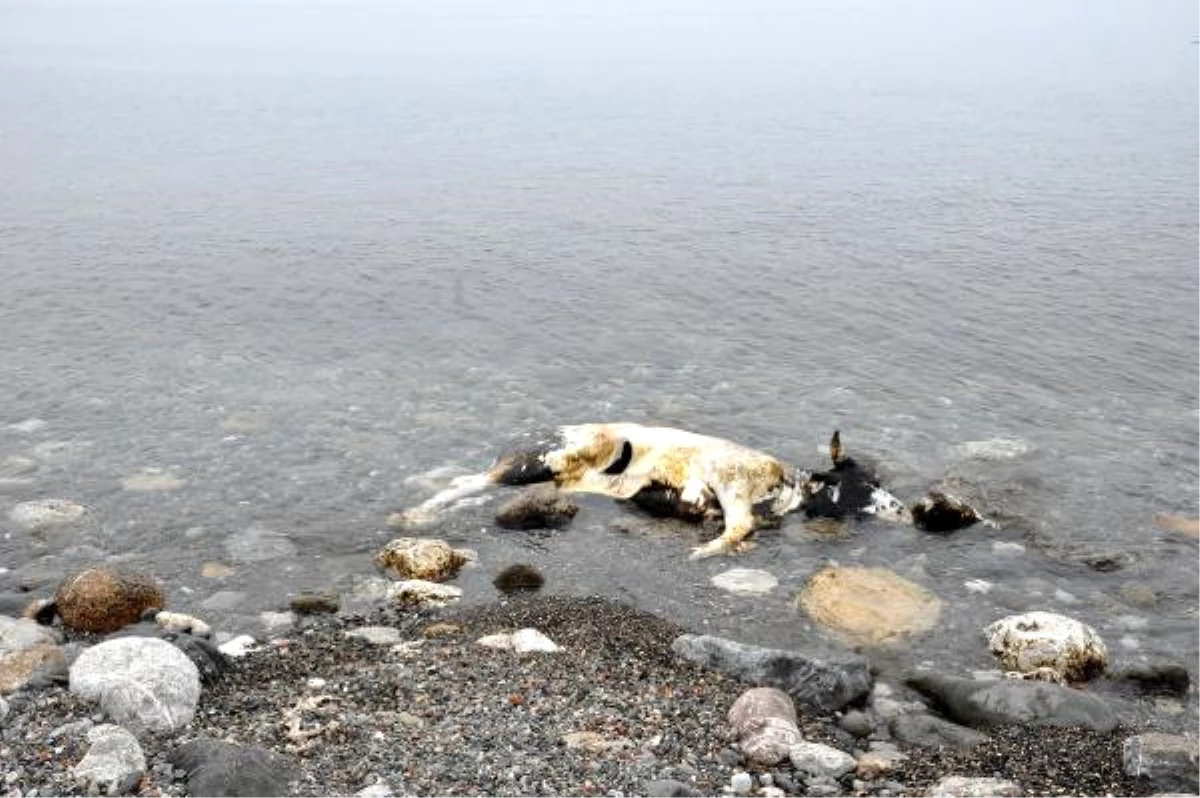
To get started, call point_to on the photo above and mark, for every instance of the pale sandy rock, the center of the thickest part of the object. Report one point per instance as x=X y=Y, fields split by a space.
x=871 y=605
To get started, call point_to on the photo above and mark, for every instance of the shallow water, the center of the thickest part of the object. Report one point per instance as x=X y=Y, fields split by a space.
x=300 y=266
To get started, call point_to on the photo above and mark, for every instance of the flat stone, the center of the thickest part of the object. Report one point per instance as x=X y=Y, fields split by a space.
x=824 y=684
x=980 y=704
x=19 y=669
x=18 y=634
x=928 y=731
x=745 y=581
x=974 y=787
x=871 y=605
x=259 y=544
x=44 y=513
x=427 y=559
x=114 y=762
x=377 y=635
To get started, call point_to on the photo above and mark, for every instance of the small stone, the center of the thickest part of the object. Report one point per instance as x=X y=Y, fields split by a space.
x=980 y=787
x=377 y=635
x=114 y=762
x=858 y=723
x=425 y=559
x=741 y=783
x=239 y=646
x=315 y=604
x=441 y=629
x=519 y=577
x=377 y=790
x=315 y=683
x=1168 y=761
x=819 y=760
x=20 y=669
x=745 y=581
x=182 y=622
x=152 y=479
x=419 y=592
x=104 y=599
x=142 y=683
x=215 y=570
x=46 y=513
x=764 y=720
x=537 y=508
x=878 y=762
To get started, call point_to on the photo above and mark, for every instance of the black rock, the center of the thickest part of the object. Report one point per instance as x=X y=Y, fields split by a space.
x=1155 y=678
x=824 y=684
x=218 y=768
x=982 y=704
x=519 y=577
x=938 y=512
x=207 y=658
x=536 y=509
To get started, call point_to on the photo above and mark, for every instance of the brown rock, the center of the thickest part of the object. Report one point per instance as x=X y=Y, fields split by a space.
x=18 y=668
x=428 y=559
x=538 y=508
x=869 y=605
x=104 y=599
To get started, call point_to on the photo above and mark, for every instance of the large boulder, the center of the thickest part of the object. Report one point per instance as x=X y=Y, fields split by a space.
x=869 y=605
x=427 y=559
x=104 y=599
x=824 y=684
x=1037 y=642
x=764 y=721
x=1170 y=762
x=982 y=704
x=142 y=683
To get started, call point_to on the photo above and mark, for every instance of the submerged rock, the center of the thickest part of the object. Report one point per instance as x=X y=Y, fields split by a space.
x=871 y=605
x=259 y=544
x=1169 y=761
x=982 y=704
x=44 y=513
x=1035 y=641
x=746 y=581
x=824 y=684
x=764 y=720
x=104 y=599
x=942 y=513
x=519 y=577
x=427 y=559
x=538 y=508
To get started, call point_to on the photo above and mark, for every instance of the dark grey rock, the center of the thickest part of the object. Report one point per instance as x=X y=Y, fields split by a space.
x=858 y=723
x=518 y=577
x=536 y=509
x=670 y=789
x=1171 y=762
x=981 y=704
x=218 y=768
x=930 y=732
x=823 y=684
x=1155 y=678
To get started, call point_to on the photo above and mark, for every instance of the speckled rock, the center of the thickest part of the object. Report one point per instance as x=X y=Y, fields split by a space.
x=764 y=720
x=38 y=663
x=427 y=559
x=142 y=683
x=44 y=513
x=114 y=762
x=974 y=787
x=104 y=599
x=869 y=605
x=421 y=592
x=1039 y=640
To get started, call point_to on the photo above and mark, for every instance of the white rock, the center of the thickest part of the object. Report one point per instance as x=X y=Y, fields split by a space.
x=745 y=581
x=1007 y=547
x=142 y=683
x=378 y=635
x=316 y=683
x=377 y=790
x=978 y=787
x=113 y=763
x=419 y=591
x=1036 y=640
x=501 y=641
x=277 y=621
x=239 y=646
x=18 y=634
x=46 y=512
x=995 y=449
x=530 y=640
x=182 y=622
x=816 y=759
x=977 y=586
x=741 y=783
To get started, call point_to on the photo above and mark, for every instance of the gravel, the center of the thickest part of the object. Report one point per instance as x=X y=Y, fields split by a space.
x=439 y=714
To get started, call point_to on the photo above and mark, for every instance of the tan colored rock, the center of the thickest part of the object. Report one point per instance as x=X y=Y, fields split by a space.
x=1178 y=523
x=869 y=605
x=215 y=570
x=103 y=599
x=428 y=559
x=16 y=669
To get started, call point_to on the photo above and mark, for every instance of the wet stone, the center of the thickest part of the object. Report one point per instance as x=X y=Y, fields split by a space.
x=315 y=603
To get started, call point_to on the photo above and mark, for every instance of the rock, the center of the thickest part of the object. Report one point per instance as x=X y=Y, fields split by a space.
x=34 y=665
x=822 y=787
x=142 y=683
x=1178 y=523
x=668 y=788
x=239 y=646
x=218 y=768
x=745 y=581
x=315 y=604
x=420 y=592
x=1158 y=678
x=526 y=641
x=18 y=634
x=817 y=760
x=224 y=601
x=518 y=577
x=259 y=544
x=591 y=742
x=152 y=479
x=377 y=635
x=1007 y=701
x=44 y=513
x=930 y=732
x=879 y=762
x=741 y=783
x=1025 y=643
x=1169 y=761
x=427 y=559
x=537 y=508
x=764 y=721
x=215 y=570
x=995 y=449
x=942 y=513
x=823 y=684
x=104 y=599
x=974 y=787
x=113 y=764
x=3 y=708
x=377 y=790
x=182 y=623
x=276 y=621
x=857 y=723
x=871 y=605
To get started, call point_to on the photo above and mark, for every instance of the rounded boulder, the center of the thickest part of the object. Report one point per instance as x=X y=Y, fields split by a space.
x=1046 y=641
x=103 y=599
x=869 y=605
x=427 y=559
